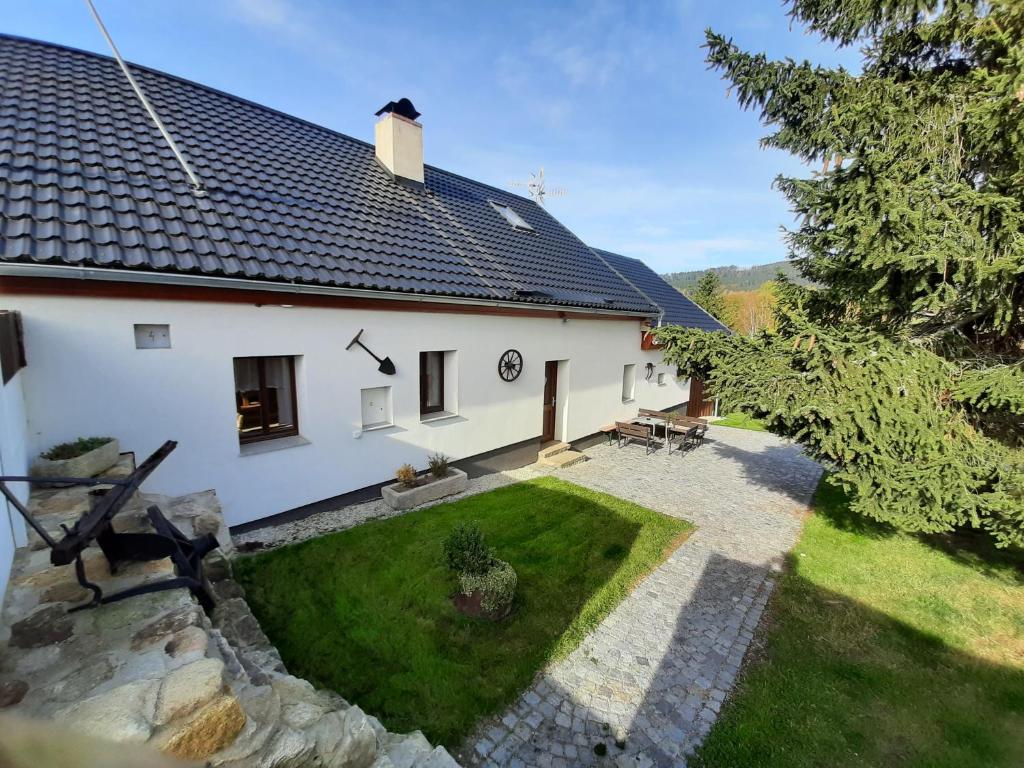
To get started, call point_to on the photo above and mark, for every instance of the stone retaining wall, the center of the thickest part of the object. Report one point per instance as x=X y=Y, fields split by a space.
x=156 y=670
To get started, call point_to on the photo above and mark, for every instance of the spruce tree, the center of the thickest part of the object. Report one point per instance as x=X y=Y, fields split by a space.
x=708 y=295
x=902 y=369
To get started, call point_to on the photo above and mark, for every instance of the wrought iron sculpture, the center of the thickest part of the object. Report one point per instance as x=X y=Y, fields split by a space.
x=386 y=366
x=510 y=365
x=95 y=525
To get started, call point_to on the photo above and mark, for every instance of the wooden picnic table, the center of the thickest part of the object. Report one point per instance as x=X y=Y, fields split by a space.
x=651 y=422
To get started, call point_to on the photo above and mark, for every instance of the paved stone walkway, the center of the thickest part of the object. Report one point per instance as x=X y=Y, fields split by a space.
x=646 y=686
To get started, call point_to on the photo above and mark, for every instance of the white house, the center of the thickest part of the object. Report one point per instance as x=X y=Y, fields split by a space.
x=222 y=317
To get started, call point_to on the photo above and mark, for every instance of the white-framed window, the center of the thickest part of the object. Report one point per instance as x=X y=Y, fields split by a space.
x=628 y=382
x=376 y=407
x=662 y=380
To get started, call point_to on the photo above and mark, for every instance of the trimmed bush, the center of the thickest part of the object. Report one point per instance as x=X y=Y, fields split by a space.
x=497 y=587
x=438 y=464
x=406 y=475
x=466 y=551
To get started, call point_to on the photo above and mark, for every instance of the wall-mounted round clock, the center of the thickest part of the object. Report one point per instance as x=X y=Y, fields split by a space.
x=510 y=365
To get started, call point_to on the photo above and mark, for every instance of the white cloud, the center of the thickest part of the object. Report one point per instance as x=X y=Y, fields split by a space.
x=291 y=22
x=671 y=224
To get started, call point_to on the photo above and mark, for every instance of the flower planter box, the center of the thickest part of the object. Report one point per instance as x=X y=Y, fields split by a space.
x=87 y=465
x=647 y=341
x=401 y=497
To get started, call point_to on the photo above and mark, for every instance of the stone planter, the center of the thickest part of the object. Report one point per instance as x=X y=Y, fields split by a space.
x=400 y=497
x=87 y=465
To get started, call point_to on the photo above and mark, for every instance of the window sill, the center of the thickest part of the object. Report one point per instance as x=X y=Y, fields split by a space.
x=269 y=446
x=630 y=400
x=439 y=416
x=376 y=427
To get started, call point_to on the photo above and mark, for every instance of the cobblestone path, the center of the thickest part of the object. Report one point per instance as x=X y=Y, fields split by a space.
x=646 y=686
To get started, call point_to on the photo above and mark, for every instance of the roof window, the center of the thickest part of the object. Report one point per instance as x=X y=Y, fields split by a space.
x=513 y=218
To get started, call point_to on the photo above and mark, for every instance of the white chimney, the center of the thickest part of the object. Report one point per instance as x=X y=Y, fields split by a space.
x=399 y=140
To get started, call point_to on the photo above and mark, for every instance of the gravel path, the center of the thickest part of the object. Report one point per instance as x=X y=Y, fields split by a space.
x=646 y=686
x=348 y=517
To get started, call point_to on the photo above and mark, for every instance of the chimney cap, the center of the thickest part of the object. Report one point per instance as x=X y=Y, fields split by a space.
x=403 y=108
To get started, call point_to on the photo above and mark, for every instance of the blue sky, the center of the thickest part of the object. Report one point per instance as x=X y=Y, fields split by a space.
x=612 y=98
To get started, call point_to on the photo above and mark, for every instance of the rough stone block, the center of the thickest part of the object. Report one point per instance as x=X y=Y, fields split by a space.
x=122 y=714
x=346 y=739
x=187 y=688
x=88 y=464
x=206 y=732
x=46 y=626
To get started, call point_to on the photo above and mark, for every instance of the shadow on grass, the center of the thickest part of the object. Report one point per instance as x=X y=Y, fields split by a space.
x=836 y=682
x=639 y=704
x=768 y=469
x=966 y=546
x=366 y=612
x=828 y=681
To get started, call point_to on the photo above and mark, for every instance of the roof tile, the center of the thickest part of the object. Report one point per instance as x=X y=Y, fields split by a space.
x=85 y=178
x=677 y=309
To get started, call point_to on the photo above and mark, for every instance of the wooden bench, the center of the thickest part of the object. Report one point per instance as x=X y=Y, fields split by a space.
x=639 y=432
x=608 y=430
x=686 y=424
x=655 y=414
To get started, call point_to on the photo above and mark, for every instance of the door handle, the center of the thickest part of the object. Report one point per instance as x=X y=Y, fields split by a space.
x=552 y=401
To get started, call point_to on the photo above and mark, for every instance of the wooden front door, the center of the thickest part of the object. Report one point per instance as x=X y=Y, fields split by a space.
x=698 y=406
x=550 y=393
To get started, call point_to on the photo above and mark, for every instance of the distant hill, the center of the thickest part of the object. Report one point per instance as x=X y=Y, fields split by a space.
x=736 y=278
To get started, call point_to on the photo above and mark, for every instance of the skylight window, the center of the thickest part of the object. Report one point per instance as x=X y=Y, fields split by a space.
x=513 y=218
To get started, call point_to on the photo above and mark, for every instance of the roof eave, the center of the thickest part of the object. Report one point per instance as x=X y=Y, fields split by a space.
x=61 y=271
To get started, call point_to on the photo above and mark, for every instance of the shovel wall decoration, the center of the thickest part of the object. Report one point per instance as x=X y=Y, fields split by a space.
x=386 y=366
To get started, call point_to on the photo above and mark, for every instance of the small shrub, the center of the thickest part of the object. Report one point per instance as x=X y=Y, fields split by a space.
x=438 y=465
x=466 y=551
x=497 y=587
x=406 y=475
x=75 y=448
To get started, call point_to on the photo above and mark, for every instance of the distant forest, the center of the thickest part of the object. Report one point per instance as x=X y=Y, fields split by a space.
x=735 y=278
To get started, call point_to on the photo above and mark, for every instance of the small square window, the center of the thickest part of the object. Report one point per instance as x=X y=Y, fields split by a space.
x=628 y=382
x=513 y=218
x=265 y=404
x=661 y=380
x=152 y=336
x=376 y=407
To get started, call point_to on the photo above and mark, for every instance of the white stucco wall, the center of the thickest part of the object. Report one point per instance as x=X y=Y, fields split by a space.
x=85 y=377
x=13 y=461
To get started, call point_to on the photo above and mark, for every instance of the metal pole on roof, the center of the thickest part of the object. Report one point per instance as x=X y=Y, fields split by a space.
x=197 y=185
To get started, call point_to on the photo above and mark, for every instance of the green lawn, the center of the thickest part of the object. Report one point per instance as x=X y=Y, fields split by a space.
x=883 y=649
x=740 y=421
x=366 y=612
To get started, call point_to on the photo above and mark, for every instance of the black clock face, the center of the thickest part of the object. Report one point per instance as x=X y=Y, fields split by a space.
x=510 y=365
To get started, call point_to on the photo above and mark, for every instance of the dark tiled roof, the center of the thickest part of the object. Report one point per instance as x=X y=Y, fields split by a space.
x=86 y=179
x=678 y=309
